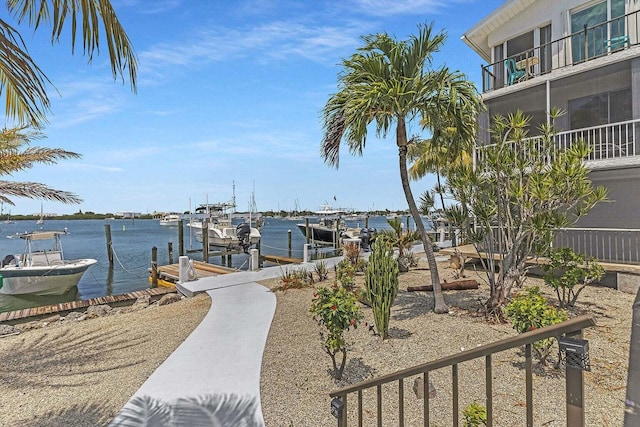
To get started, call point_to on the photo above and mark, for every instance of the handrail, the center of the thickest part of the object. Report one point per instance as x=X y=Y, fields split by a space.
x=566 y=327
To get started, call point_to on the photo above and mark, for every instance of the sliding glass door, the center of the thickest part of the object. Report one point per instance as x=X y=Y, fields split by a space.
x=597 y=29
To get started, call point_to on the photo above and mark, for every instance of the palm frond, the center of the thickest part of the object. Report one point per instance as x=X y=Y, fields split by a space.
x=34 y=190
x=91 y=16
x=21 y=80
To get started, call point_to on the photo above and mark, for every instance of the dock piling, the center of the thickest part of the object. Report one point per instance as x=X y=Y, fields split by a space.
x=181 y=237
x=154 y=267
x=107 y=233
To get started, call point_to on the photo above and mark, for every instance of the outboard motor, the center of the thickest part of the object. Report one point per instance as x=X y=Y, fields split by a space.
x=365 y=239
x=9 y=259
x=243 y=232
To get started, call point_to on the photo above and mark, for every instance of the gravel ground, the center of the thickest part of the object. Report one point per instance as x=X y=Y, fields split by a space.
x=296 y=379
x=82 y=373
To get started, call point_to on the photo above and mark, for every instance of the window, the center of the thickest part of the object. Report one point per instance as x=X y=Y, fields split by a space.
x=600 y=109
x=545 y=49
x=591 y=30
x=520 y=45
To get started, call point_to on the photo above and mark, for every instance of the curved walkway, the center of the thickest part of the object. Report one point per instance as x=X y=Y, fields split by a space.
x=213 y=377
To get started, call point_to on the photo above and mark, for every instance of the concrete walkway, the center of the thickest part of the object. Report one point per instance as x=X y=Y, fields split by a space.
x=215 y=373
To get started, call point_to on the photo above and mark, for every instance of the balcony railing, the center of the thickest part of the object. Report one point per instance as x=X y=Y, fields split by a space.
x=606 y=142
x=370 y=399
x=615 y=245
x=580 y=47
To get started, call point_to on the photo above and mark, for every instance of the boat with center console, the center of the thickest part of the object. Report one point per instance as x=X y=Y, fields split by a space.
x=41 y=269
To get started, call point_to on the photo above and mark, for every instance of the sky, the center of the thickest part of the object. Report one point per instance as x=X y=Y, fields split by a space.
x=230 y=93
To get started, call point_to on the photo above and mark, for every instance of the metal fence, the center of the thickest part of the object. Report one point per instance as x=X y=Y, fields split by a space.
x=342 y=410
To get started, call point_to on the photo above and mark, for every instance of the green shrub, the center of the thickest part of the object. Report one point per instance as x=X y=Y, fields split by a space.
x=294 y=278
x=346 y=273
x=320 y=267
x=337 y=309
x=475 y=415
x=381 y=284
x=529 y=310
x=569 y=273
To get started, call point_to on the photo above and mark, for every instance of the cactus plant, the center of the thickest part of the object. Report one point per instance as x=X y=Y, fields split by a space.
x=381 y=284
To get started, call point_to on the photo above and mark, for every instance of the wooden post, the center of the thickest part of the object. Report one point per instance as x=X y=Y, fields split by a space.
x=107 y=233
x=154 y=267
x=170 y=251
x=229 y=260
x=336 y=235
x=366 y=221
x=289 y=241
x=181 y=237
x=307 y=231
x=205 y=240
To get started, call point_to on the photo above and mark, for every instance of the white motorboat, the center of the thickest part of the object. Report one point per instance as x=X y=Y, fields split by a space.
x=41 y=269
x=221 y=232
x=170 y=219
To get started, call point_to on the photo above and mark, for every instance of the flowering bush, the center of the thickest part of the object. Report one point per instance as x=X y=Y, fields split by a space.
x=529 y=310
x=336 y=309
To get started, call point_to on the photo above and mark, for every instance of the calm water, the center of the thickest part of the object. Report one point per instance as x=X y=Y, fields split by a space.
x=132 y=243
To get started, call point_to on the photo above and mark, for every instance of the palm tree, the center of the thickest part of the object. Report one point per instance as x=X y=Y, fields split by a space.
x=15 y=157
x=386 y=82
x=23 y=83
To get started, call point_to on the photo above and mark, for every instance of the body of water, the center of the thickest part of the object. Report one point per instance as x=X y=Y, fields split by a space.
x=132 y=243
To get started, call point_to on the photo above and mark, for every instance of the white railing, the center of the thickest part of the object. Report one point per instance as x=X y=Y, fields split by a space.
x=606 y=142
x=617 y=245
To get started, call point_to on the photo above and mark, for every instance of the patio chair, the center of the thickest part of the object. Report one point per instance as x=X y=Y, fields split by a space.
x=513 y=74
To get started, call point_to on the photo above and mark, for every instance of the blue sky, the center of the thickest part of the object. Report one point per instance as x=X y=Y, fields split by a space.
x=228 y=91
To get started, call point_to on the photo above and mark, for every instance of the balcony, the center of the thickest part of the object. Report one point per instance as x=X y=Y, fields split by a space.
x=591 y=44
x=611 y=144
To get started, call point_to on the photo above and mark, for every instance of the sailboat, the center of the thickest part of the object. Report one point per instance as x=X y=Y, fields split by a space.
x=41 y=219
x=8 y=220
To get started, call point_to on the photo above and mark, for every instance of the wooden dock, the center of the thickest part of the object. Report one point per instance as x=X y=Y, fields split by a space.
x=469 y=251
x=171 y=272
x=75 y=305
x=276 y=259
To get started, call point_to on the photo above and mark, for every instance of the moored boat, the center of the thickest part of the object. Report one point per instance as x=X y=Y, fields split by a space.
x=221 y=232
x=41 y=270
x=330 y=226
x=170 y=220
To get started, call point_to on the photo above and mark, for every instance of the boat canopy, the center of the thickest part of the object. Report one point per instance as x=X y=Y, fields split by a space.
x=41 y=235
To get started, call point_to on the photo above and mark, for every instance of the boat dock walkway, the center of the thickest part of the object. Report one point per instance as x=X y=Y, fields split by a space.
x=469 y=251
x=74 y=305
x=171 y=272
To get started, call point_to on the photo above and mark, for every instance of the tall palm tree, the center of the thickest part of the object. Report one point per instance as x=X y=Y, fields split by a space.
x=23 y=83
x=16 y=155
x=387 y=82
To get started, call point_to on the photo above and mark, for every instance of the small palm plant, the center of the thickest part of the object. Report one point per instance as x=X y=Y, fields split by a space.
x=401 y=240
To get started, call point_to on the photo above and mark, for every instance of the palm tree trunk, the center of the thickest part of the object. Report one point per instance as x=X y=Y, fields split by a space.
x=401 y=140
